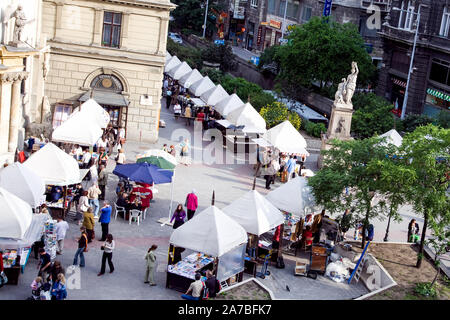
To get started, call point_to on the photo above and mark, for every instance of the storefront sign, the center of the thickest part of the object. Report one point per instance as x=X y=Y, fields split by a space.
x=275 y=24
x=399 y=83
x=258 y=37
x=438 y=94
x=264 y=23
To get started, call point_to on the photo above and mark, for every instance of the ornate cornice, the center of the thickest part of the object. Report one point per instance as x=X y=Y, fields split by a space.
x=13 y=76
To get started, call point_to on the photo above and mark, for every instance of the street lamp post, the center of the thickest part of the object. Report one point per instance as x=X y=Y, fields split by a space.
x=206 y=15
x=284 y=20
x=405 y=100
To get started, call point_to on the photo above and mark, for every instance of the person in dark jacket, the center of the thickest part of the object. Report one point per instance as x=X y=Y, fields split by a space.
x=82 y=245
x=179 y=215
x=56 y=269
x=413 y=230
x=212 y=284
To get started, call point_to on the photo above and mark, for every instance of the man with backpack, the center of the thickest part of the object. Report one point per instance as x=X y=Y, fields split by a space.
x=212 y=284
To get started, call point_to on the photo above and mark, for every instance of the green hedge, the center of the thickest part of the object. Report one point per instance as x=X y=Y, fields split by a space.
x=313 y=129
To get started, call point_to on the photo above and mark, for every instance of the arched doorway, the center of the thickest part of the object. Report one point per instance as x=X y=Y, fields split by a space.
x=107 y=91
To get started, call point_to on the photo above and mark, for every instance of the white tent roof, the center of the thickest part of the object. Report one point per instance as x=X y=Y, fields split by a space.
x=214 y=95
x=247 y=115
x=81 y=128
x=255 y=213
x=286 y=138
x=200 y=86
x=15 y=215
x=228 y=104
x=188 y=79
x=211 y=232
x=393 y=137
x=23 y=183
x=171 y=63
x=293 y=197
x=33 y=233
x=179 y=71
x=168 y=56
x=94 y=110
x=54 y=166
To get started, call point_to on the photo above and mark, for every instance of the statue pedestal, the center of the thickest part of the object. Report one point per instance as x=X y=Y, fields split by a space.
x=338 y=127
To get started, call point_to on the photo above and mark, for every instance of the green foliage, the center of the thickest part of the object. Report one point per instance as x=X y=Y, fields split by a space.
x=425 y=289
x=215 y=75
x=373 y=115
x=312 y=51
x=190 y=55
x=261 y=99
x=314 y=129
x=220 y=54
x=443 y=119
x=276 y=113
x=413 y=121
x=268 y=57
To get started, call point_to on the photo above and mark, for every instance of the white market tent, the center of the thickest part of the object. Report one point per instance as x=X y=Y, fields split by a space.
x=286 y=138
x=214 y=95
x=293 y=197
x=95 y=111
x=168 y=56
x=81 y=128
x=188 y=79
x=201 y=86
x=230 y=103
x=15 y=215
x=179 y=71
x=33 y=233
x=255 y=213
x=392 y=137
x=171 y=63
x=54 y=166
x=23 y=183
x=211 y=232
x=247 y=116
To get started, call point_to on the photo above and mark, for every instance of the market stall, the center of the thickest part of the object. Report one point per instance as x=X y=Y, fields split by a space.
x=188 y=79
x=201 y=86
x=218 y=243
x=171 y=63
x=228 y=104
x=214 y=95
x=248 y=117
x=179 y=71
x=286 y=138
x=392 y=137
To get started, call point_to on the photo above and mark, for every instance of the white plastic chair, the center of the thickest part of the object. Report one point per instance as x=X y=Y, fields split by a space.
x=118 y=209
x=135 y=214
x=144 y=214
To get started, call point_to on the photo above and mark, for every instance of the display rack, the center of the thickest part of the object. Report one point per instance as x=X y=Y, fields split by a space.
x=50 y=238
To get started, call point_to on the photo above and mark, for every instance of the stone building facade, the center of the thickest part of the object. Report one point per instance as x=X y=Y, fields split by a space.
x=429 y=89
x=112 y=50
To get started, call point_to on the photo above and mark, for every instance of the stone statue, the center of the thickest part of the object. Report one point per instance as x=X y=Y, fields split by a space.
x=339 y=96
x=341 y=128
x=350 y=87
x=46 y=65
x=19 y=24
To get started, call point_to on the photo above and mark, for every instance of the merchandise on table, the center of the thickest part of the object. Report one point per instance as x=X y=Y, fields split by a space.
x=190 y=265
x=9 y=258
x=50 y=238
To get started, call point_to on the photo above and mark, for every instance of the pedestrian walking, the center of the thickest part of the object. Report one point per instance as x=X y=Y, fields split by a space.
x=105 y=219
x=271 y=171
x=107 y=248
x=168 y=97
x=188 y=114
x=82 y=247
x=102 y=181
x=150 y=258
x=93 y=193
x=184 y=152
x=290 y=167
x=191 y=204
x=120 y=159
x=179 y=215
x=83 y=206
x=89 y=224
x=61 y=229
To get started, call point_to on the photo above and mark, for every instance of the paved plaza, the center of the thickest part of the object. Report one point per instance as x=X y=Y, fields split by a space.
x=229 y=181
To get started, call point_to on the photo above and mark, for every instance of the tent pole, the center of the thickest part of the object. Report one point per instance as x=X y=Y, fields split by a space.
x=171 y=195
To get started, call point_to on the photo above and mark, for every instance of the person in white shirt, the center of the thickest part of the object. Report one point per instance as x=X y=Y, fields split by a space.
x=61 y=229
x=86 y=159
x=120 y=159
x=107 y=248
x=177 y=110
x=195 y=289
x=102 y=143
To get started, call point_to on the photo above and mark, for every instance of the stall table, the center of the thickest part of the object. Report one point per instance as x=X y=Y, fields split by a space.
x=182 y=274
x=14 y=262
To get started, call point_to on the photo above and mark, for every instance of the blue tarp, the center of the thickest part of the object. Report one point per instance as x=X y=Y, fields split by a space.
x=143 y=172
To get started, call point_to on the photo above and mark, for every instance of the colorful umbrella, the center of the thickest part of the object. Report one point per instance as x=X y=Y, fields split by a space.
x=159 y=158
x=143 y=172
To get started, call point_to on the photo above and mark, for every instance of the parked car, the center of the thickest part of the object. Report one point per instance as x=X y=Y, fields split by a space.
x=175 y=37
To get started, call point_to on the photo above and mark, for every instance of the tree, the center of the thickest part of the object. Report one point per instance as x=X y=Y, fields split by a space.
x=222 y=54
x=276 y=113
x=347 y=180
x=427 y=150
x=322 y=50
x=190 y=55
x=440 y=241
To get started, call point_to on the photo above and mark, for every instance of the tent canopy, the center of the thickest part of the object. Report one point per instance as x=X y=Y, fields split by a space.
x=81 y=128
x=168 y=56
x=255 y=213
x=293 y=197
x=96 y=111
x=392 y=137
x=33 y=233
x=24 y=183
x=211 y=232
x=247 y=116
x=179 y=71
x=228 y=104
x=54 y=166
x=143 y=172
x=201 y=86
x=286 y=138
x=15 y=215
x=214 y=95
x=171 y=63
x=188 y=79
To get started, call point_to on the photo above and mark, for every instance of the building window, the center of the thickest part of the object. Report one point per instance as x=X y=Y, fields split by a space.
x=282 y=8
x=400 y=61
x=254 y=3
x=445 y=24
x=306 y=14
x=440 y=71
x=112 y=22
x=292 y=10
x=406 y=18
x=61 y=113
x=271 y=7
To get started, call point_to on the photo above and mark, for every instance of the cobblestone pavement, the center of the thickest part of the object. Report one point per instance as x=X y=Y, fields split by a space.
x=229 y=181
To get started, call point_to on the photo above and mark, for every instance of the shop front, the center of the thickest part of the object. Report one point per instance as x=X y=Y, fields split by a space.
x=398 y=92
x=437 y=100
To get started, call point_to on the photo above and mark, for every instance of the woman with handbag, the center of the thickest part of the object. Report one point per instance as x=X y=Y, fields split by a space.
x=107 y=248
x=82 y=247
x=83 y=206
x=89 y=224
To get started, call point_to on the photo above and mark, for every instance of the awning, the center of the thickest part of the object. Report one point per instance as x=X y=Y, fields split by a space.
x=106 y=98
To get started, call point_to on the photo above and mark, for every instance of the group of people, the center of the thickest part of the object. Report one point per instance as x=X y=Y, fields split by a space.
x=184 y=153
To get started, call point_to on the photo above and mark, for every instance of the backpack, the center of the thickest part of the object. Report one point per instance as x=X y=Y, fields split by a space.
x=370 y=232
